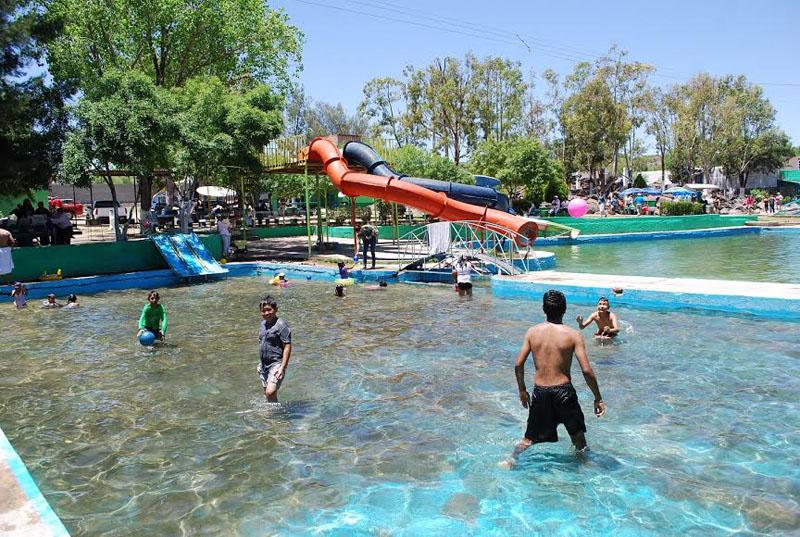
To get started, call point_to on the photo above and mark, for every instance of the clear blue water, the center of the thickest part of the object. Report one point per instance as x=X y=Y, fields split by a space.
x=396 y=410
x=765 y=257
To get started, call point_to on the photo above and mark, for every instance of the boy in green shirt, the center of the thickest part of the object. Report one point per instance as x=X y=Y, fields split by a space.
x=154 y=317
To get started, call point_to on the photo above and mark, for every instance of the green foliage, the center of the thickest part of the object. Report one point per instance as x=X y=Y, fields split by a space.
x=341 y=215
x=172 y=41
x=524 y=168
x=416 y=162
x=32 y=121
x=759 y=194
x=639 y=182
x=680 y=208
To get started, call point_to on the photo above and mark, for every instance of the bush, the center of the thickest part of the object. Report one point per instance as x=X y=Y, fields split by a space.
x=680 y=208
x=639 y=182
x=759 y=194
x=341 y=214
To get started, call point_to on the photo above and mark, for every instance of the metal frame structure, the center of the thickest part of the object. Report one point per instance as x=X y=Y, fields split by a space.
x=491 y=248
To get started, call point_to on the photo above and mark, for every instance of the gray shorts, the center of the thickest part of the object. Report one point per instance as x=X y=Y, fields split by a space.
x=267 y=374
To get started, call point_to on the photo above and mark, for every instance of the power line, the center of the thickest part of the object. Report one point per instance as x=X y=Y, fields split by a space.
x=487 y=33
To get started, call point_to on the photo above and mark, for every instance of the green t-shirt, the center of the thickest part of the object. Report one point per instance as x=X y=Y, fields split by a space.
x=153 y=318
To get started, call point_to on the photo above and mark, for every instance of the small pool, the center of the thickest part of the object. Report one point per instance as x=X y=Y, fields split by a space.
x=397 y=408
x=767 y=256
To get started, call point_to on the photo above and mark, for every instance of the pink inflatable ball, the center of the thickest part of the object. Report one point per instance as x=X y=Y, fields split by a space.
x=577 y=207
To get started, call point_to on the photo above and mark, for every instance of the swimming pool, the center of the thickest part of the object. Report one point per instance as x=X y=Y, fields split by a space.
x=398 y=406
x=767 y=256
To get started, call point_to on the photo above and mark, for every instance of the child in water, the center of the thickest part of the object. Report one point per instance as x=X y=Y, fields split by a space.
x=20 y=295
x=607 y=324
x=339 y=291
x=154 y=317
x=275 y=348
x=51 y=302
x=280 y=280
x=72 y=301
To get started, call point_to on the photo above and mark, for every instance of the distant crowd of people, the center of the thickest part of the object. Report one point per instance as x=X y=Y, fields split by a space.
x=46 y=226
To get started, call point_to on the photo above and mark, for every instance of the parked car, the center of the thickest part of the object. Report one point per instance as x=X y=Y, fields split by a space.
x=101 y=212
x=70 y=206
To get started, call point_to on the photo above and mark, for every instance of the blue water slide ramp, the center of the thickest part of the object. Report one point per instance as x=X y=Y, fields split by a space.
x=186 y=255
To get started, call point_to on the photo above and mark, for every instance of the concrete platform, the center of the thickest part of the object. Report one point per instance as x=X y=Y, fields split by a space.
x=776 y=300
x=23 y=510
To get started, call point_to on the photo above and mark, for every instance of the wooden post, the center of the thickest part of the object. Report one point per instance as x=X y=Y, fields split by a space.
x=353 y=222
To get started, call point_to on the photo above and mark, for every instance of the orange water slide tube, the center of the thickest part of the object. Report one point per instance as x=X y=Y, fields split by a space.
x=436 y=204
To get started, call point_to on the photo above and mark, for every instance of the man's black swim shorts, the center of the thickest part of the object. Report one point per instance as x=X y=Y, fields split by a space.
x=550 y=406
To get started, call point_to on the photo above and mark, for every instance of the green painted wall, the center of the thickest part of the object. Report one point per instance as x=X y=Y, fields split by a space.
x=384 y=232
x=634 y=224
x=8 y=203
x=94 y=258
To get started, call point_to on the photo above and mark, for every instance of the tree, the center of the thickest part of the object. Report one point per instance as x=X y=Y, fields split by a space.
x=323 y=119
x=123 y=122
x=659 y=121
x=33 y=121
x=750 y=140
x=586 y=116
x=416 y=162
x=524 y=168
x=384 y=104
x=241 y=42
x=498 y=96
x=220 y=133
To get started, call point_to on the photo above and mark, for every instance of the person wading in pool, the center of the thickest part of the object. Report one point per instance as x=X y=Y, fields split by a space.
x=275 y=348
x=553 y=400
x=607 y=324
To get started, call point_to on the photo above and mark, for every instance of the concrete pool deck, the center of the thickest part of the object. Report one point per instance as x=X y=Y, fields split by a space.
x=23 y=509
x=776 y=300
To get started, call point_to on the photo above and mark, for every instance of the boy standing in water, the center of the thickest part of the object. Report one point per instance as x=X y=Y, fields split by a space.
x=607 y=324
x=553 y=400
x=154 y=317
x=275 y=348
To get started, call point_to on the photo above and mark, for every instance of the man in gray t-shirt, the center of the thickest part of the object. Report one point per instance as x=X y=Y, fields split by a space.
x=275 y=348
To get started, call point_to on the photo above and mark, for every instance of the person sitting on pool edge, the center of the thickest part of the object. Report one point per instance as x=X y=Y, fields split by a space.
x=154 y=317
x=607 y=324
x=554 y=400
x=275 y=348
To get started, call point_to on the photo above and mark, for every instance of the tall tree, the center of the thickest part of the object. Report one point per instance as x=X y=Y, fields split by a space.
x=498 y=97
x=750 y=139
x=241 y=42
x=523 y=166
x=33 y=121
x=123 y=122
x=383 y=104
x=659 y=121
x=324 y=118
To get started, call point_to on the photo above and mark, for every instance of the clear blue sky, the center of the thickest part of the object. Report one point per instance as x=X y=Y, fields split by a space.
x=349 y=42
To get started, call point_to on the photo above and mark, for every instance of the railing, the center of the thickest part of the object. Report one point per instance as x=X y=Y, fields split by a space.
x=291 y=152
x=491 y=248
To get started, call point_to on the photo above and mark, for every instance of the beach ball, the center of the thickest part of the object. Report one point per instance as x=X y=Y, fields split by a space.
x=577 y=207
x=148 y=339
x=355 y=258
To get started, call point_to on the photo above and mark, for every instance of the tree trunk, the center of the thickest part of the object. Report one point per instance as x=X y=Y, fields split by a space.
x=145 y=200
x=114 y=216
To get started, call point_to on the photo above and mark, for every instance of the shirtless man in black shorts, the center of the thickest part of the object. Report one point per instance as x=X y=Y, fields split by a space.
x=553 y=400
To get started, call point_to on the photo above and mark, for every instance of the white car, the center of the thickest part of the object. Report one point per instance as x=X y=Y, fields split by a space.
x=101 y=212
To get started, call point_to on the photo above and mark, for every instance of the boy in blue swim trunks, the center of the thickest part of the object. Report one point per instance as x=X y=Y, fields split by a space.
x=275 y=348
x=553 y=400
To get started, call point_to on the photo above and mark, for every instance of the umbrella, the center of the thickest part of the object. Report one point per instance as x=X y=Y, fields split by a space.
x=361 y=201
x=216 y=191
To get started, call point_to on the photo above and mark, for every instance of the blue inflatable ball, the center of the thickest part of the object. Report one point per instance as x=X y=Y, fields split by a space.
x=148 y=339
x=355 y=258
x=308 y=277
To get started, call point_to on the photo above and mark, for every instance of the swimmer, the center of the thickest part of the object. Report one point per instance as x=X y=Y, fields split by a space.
x=462 y=276
x=607 y=324
x=154 y=317
x=50 y=303
x=344 y=272
x=339 y=291
x=381 y=285
x=275 y=348
x=72 y=301
x=554 y=400
x=280 y=280
x=20 y=295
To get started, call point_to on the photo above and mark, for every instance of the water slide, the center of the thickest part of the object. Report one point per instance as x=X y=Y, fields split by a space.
x=364 y=155
x=186 y=255
x=435 y=204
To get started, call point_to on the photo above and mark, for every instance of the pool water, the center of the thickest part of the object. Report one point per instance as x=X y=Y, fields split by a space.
x=396 y=409
x=768 y=256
